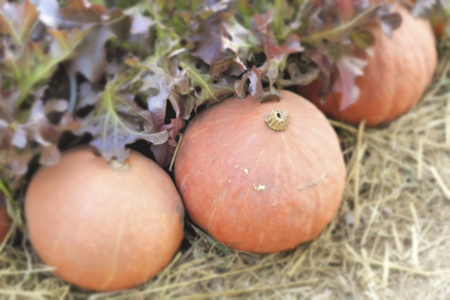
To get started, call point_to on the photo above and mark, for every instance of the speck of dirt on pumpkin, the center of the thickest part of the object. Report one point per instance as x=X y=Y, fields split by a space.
x=259 y=187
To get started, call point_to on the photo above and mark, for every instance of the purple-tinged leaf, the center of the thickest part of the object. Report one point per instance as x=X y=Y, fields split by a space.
x=117 y=120
x=38 y=128
x=50 y=155
x=261 y=26
x=220 y=65
x=272 y=71
x=389 y=20
x=5 y=135
x=19 y=138
x=67 y=122
x=91 y=55
x=163 y=152
x=55 y=105
x=209 y=41
x=219 y=42
x=111 y=142
x=279 y=53
x=423 y=8
x=255 y=87
x=177 y=78
x=140 y=24
x=78 y=13
x=349 y=67
x=239 y=86
x=346 y=9
x=19 y=165
x=87 y=96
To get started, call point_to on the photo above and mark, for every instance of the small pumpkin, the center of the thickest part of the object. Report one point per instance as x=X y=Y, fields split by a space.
x=394 y=79
x=104 y=227
x=261 y=177
x=5 y=220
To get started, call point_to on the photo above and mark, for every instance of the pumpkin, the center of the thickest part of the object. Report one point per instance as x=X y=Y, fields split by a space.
x=5 y=220
x=261 y=177
x=394 y=79
x=104 y=226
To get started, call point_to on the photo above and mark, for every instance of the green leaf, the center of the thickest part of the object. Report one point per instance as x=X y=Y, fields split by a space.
x=362 y=38
x=35 y=65
x=202 y=81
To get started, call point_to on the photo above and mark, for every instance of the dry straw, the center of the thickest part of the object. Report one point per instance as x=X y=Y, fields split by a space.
x=390 y=239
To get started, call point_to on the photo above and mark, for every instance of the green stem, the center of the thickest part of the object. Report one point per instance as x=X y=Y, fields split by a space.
x=198 y=78
x=338 y=30
x=7 y=193
x=34 y=78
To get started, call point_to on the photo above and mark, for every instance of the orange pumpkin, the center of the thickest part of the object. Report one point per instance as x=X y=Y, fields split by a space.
x=261 y=177
x=394 y=79
x=104 y=228
x=5 y=220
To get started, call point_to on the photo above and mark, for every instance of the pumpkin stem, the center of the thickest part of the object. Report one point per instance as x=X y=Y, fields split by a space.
x=277 y=119
x=119 y=166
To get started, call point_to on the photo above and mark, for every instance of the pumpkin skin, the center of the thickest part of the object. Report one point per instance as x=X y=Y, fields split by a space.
x=5 y=220
x=103 y=229
x=240 y=180
x=394 y=79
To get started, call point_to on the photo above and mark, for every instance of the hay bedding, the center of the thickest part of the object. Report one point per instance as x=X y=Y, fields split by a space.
x=390 y=239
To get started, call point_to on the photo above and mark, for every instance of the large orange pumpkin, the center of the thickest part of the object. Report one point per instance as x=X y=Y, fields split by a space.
x=104 y=228
x=261 y=177
x=5 y=220
x=394 y=79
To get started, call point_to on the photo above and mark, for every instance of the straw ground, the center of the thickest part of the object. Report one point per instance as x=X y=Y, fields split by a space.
x=390 y=239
